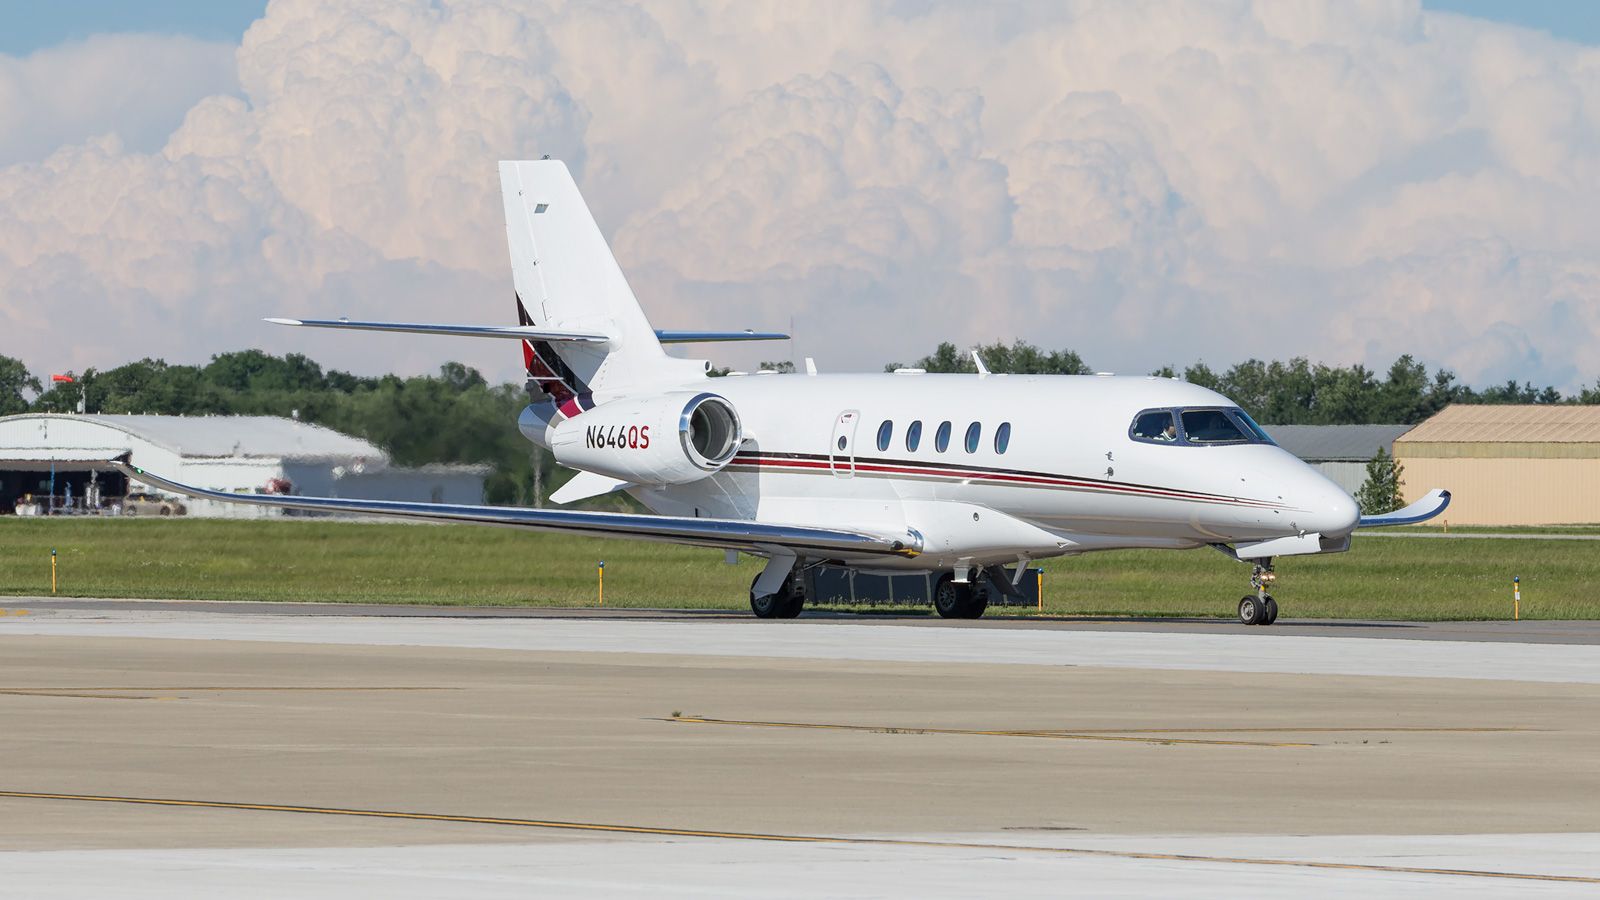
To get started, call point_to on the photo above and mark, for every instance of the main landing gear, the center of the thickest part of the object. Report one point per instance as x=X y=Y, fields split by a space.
x=1259 y=608
x=957 y=600
x=784 y=603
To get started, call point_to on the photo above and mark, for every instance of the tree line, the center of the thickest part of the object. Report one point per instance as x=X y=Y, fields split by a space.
x=456 y=416
x=1296 y=392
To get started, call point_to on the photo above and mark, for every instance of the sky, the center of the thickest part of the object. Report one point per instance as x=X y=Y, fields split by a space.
x=1149 y=183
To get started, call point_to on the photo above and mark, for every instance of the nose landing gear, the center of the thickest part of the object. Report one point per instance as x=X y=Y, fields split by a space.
x=1259 y=608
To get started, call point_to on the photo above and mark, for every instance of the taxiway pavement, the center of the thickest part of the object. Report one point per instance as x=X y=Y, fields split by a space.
x=163 y=749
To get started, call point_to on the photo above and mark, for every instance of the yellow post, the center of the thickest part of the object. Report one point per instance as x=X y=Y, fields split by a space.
x=52 y=570
x=1039 y=583
x=602 y=574
x=1516 y=597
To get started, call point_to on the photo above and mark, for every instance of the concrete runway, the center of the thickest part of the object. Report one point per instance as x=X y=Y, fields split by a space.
x=154 y=749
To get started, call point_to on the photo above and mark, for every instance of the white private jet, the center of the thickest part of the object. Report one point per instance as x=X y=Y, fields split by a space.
x=962 y=475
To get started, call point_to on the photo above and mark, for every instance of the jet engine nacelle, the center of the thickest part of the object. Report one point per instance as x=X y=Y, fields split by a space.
x=669 y=439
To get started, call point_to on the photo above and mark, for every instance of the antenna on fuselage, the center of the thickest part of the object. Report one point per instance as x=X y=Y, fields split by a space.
x=978 y=361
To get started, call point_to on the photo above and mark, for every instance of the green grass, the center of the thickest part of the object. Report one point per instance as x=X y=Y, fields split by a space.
x=1383 y=578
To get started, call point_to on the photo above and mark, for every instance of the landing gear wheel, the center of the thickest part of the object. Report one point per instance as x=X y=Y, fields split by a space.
x=1251 y=610
x=954 y=600
x=786 y=603
x=768 y=607
x=1259 y=608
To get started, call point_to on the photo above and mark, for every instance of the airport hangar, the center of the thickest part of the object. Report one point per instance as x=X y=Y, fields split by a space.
x=1508 y=465
x=238 y=454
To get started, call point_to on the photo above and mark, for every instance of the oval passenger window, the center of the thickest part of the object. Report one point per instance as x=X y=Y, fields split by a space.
x=913 y=435
x=1002 y=437
x=941 y=438
x=885 y=432
x=974 y=431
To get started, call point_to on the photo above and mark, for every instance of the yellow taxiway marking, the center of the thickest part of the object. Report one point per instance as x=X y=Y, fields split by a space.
x=1055 y=735
x=792 y=838
x=13 y=612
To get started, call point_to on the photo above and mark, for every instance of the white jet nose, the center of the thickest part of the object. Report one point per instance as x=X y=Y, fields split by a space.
x=1332 y=512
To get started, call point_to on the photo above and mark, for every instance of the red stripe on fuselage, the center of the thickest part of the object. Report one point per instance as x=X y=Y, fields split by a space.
x=1003 y=477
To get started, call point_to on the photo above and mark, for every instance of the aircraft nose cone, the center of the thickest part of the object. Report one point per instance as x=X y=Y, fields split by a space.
x=1333 y=512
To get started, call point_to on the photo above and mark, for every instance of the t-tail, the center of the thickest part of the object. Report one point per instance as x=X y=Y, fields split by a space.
x=583 y=333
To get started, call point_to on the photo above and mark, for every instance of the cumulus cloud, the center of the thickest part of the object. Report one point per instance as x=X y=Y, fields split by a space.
x=136 y=86
x=1147 y=182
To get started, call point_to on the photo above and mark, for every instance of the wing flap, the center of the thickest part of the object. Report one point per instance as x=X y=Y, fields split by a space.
x=1432 y=504
x=735 y=534
x=509 y=332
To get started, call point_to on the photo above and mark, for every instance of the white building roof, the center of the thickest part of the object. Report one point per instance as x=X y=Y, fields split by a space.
x=269 y=437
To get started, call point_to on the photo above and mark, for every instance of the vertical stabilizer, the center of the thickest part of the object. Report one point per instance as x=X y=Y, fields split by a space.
x=566 y=277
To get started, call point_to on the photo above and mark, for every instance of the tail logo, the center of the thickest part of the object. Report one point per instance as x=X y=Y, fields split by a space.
x=569 y=392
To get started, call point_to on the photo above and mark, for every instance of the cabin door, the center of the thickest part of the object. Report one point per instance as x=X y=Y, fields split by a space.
x=842 y=449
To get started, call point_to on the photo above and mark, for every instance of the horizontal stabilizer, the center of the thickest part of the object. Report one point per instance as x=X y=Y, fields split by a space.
x=760 y=538
x=584 y=485
x=695 y=337
x=510 y=332
x=1429 y=506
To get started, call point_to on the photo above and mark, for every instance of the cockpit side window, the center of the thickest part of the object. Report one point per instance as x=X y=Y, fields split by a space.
x=1212 y=426
x=1155 y=425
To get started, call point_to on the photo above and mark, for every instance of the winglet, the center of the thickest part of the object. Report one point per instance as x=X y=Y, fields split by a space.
x=1432 y=504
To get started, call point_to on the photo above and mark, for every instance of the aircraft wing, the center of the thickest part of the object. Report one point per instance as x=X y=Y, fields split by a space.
x=728 y=534
x=1429 y=506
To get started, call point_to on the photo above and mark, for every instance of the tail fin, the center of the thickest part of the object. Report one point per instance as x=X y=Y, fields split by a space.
x=566 y=278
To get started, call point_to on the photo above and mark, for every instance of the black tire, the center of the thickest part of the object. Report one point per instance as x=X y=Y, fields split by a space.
x=1250 y=610
x=768 y=607
x=952 y=600
x=786 y=603
x=166 y=510
x=1272 y=611
x=979 y=603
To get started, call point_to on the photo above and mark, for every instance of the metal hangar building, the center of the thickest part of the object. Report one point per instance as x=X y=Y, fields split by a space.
x=55 y=463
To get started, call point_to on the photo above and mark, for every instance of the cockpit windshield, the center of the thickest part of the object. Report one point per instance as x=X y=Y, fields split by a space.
x=1211 y=426
x=1250 y=424
x=1197 y=427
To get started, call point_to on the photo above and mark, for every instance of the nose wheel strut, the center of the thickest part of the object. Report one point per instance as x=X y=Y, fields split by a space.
x=1259 y=608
